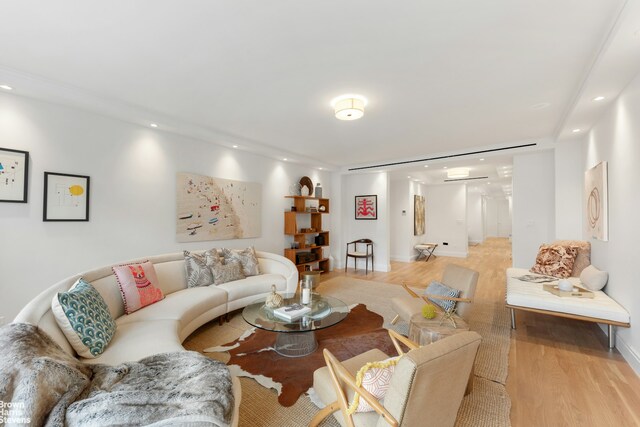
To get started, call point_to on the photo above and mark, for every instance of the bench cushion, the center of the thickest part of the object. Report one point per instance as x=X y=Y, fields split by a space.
x=531 y=295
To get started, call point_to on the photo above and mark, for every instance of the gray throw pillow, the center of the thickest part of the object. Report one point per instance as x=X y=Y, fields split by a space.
x=440 y=289
x=227 y=272
x=247 y=258
x=198 y=272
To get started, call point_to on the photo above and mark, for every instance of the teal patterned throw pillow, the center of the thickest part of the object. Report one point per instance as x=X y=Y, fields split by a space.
x=84 y=318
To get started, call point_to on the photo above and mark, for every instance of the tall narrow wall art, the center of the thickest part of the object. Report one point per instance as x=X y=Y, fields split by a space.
x=418 y=215
x=217 y=209
x=597 y=201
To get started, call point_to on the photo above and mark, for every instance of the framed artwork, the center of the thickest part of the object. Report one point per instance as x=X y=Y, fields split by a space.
x=597 y=197
x=367 y=207
x=14 y=175
x=66 y=197
x=217 y=209
x=418 y=215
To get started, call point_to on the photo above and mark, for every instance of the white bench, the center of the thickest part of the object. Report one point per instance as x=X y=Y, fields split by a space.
x=531 y=297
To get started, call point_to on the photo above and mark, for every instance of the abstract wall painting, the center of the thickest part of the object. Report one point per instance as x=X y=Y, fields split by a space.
x=597 y=201
x=66 y=197
x=367 y=207
x=418 y=215
x=14 y=175
x=217 y=209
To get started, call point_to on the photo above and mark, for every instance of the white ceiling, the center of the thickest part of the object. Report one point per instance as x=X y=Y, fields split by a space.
x=439 y=75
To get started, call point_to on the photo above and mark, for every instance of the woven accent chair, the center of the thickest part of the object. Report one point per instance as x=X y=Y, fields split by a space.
x=463 y=279
x=426 y=389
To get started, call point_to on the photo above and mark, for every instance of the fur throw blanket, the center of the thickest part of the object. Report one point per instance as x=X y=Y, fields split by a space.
x=50 y=388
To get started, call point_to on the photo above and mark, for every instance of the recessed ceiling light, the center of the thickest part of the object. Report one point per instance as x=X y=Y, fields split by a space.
x=234 y=146
x=285 y=159
x=320 y=168
x=426 y=166
x=6 y=87
x=488 y=183
x=482 y=160
x=576 y=130
x=540 y=106
x=408 y=176
x=153 y=125
x=598 y=98
x=444 y=167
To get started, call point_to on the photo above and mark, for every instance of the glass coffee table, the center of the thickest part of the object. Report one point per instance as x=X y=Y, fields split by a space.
x=297 y=338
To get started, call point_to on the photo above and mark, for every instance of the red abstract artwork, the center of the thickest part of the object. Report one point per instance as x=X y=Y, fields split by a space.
x=367 y=207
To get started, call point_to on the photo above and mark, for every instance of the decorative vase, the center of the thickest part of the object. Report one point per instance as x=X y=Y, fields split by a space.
x=274 y=299
x=318 y=191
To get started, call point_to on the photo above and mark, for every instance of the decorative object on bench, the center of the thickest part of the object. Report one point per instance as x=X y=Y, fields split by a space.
x=532 y=297
x=425 y=250
x=555 y=260
x=583 y=259
x=413 y=384
x=356 y=254
x=574 y=291
x=594 y=279
x=565 y=285
x=460 y=278
x=274 y=299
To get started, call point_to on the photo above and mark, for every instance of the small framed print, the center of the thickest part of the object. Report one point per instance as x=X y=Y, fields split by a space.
x=367 y=207
x=14 y=175
x=66 y=197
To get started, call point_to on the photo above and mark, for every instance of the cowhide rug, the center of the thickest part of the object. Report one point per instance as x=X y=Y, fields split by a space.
x=252 y=355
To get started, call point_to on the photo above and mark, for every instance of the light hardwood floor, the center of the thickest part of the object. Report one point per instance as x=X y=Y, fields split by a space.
x=561 y=372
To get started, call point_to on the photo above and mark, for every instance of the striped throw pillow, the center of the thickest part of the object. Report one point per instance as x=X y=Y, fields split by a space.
x=440 y=289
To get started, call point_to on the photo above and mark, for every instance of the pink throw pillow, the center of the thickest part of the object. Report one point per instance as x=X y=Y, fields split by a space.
x=138 y=285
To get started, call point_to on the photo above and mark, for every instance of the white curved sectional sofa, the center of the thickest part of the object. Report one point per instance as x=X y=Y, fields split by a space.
x=163 y=326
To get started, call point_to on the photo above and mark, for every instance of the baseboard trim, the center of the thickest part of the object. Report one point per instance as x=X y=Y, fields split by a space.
x=454 y=254
x=630 y=355
x=476 y=242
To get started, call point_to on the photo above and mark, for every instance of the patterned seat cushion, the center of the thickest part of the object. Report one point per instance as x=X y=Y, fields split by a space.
x=555 y=260
x=84 y=318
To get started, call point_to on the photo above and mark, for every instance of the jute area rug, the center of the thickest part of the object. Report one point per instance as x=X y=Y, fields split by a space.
x=488 y=404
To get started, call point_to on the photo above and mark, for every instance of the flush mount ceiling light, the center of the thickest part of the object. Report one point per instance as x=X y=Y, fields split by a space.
x=598 y=98
x=458 y=173
x=6 y=87
x=576 y=130
x=349 y=107
x=153 y=125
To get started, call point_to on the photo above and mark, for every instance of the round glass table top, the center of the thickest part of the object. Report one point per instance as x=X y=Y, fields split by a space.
x=325 y=311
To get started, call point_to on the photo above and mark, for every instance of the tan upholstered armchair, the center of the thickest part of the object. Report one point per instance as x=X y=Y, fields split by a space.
x=454 y=276
x=426 y=389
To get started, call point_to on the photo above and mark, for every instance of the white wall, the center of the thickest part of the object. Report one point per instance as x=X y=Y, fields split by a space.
x=376 y=230
x=615 y=138
x=533 y=205
x=447 y=219
x=133 y=187
x=475 y=217
x=569 y=172
x=403 y=240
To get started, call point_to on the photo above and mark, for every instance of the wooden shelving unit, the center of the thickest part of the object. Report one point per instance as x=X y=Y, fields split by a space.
x=292 y=228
